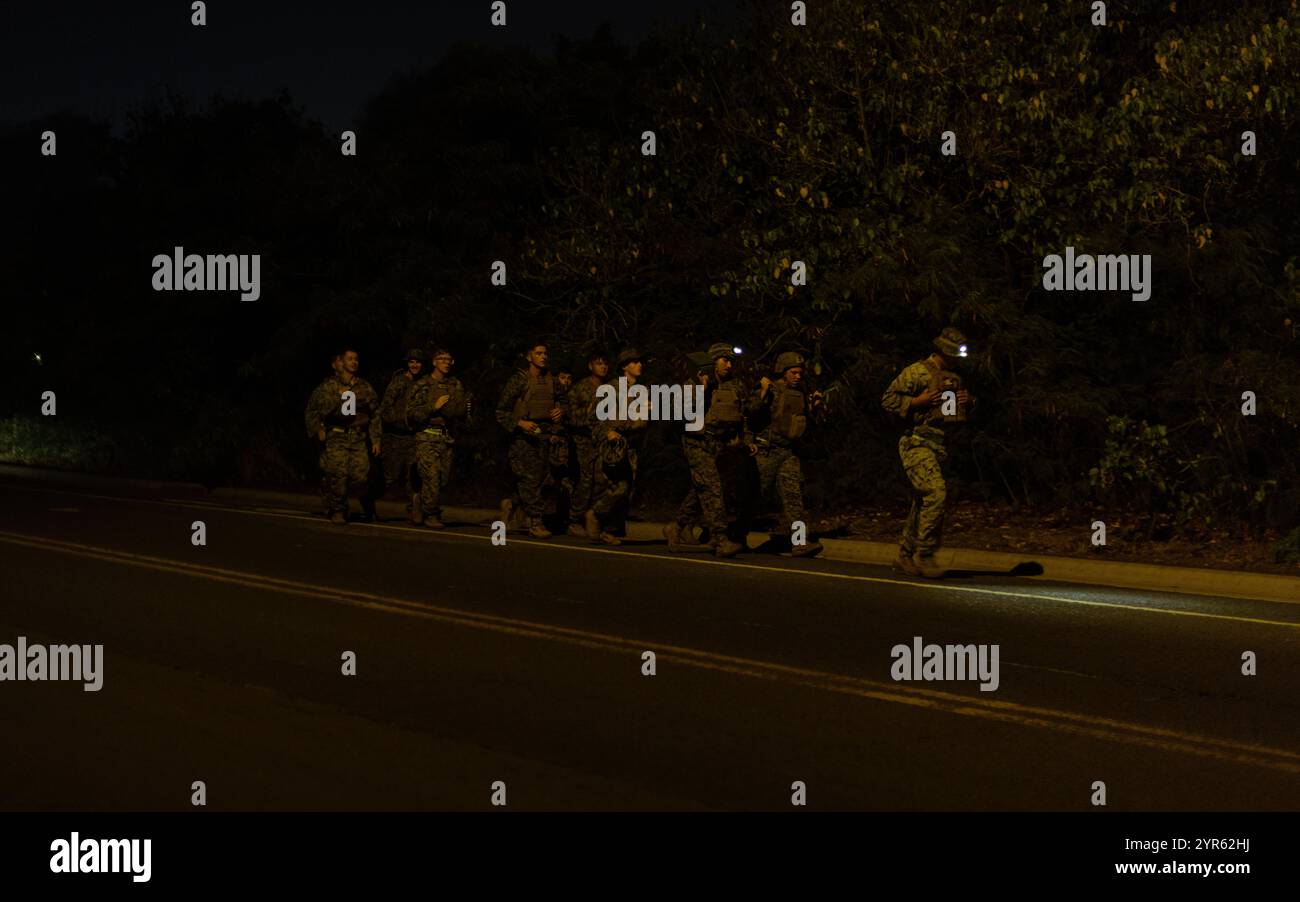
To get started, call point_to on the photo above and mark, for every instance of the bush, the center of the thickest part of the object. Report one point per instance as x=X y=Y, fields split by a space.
x=55 y=442
x=1140 y=465
x=1287 y=550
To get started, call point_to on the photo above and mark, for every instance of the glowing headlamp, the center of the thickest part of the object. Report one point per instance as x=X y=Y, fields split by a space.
x=961 y=351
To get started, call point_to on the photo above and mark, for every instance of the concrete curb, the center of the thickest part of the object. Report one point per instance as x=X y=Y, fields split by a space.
x=1117 y=574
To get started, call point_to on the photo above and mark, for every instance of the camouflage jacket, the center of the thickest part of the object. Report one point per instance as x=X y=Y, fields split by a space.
x=325 y=407
x=397 y=397
x=580 y=410
x=632 y=431
x=911 y=382
x=422 y=410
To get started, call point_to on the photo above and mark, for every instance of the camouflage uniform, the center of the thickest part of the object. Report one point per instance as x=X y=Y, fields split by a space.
x=579 y=416
x=723 y=429
x=522 y=399
x=785 y=409
x=559 y=455
x=922 y=451
x=434 y=441
x=615 y=465
x=398 y=460
x=345 y=459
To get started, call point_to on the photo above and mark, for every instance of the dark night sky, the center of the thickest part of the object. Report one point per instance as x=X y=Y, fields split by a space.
x=103 y=59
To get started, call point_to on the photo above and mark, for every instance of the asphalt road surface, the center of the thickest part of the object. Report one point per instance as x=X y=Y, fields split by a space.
x=523 y=663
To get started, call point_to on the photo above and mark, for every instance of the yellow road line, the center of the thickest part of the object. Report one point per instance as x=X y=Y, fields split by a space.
x=1075 y=723
x=743 y=566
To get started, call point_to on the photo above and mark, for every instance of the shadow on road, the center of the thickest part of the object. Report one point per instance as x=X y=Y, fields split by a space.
x=1024 y=568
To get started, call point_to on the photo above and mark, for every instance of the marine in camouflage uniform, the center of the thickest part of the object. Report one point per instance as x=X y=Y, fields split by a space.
x=916 y=396
x=580 y=412
x=437 y=403
x=560 y=471
x=344 y=462
x=724 y=428
x=617 y=442
x=398 y=461
x=785 y=407
x=528 y=411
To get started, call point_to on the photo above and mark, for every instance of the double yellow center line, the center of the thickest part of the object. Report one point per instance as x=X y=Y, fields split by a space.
x=1102 y=728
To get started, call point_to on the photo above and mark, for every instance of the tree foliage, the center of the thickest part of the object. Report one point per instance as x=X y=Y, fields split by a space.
x=822 y=144
x=775 y=144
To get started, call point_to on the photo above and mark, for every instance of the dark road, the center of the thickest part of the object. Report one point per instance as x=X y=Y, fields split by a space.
x=523 y=663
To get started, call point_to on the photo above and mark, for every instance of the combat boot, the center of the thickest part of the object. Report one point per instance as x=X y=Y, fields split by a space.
x=338 y=518
x=596 y=534
x=679 y=538
x=929 y=567
x=577 y=530
x=810 y=549
x=507 y=511
x=432 y=522
x=905 y=564
x=518 y=517
x=538 y=530
x=417 y=512
x=724 y=547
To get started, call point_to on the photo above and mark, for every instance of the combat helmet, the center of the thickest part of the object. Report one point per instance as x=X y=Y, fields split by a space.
x=951 y=343
x=627 y=356
x=721 y=349
x=787 y=360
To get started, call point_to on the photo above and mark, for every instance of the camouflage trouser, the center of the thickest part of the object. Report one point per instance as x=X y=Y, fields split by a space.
x=433 y=454
x=584 y=449
x=614 y=485
x=344 y=464
x=705 y=497
x=780 y=467
x=923 y=462
x=399 y=464
x=559 y=473
x=528 y=461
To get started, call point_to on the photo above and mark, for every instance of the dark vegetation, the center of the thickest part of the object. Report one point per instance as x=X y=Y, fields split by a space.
x=775 y=144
